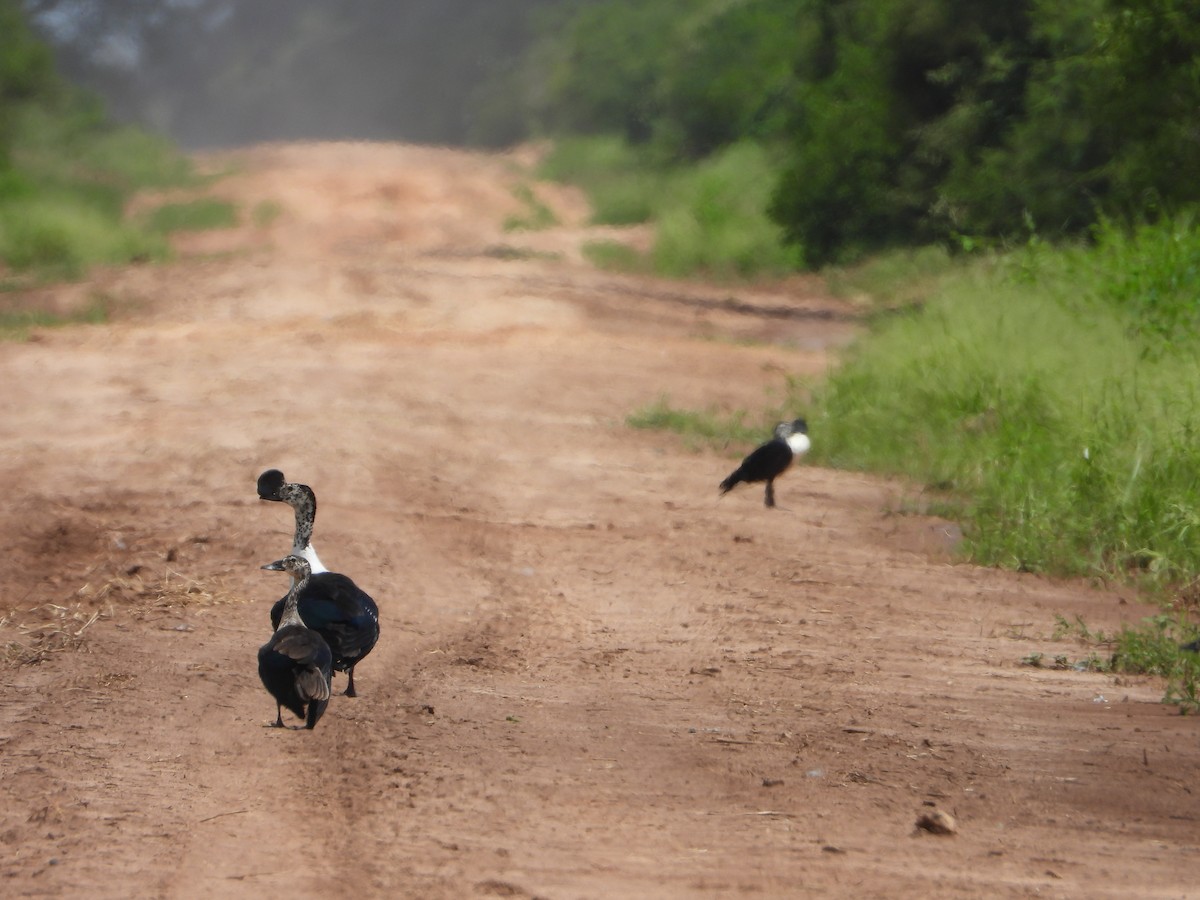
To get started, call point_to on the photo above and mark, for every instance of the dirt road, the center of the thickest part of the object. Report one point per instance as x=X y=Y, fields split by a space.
x=595 y=678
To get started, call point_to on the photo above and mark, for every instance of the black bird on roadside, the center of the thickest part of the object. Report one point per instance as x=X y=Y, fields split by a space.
x=770 y=460
x=296 y=664
x=331 y=603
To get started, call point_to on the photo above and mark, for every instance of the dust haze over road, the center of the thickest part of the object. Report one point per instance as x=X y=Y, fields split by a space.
x=595 y=679
x=221 y=73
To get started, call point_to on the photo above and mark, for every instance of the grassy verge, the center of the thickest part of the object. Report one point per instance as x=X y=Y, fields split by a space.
x=1054 y=394
x=1028 y=391
x=534 y=216
x=710 y=428
x=62 y=201
x=201 y=214
x=17 y=325
x=710 y=217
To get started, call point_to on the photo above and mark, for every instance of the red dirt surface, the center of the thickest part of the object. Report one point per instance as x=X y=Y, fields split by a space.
x=595 y=678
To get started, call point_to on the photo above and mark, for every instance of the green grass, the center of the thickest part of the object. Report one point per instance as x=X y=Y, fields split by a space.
x=62 y=201
x=1053 y=394
x=621 y=182
x=1031 y=397
x=201 y=214
x=265 y=213
x=734 y=431
x=1152 y=648
x=535 y=215
x=893 y=280
x=713 y=220
x=710 y=216
x=18 y=325
x=56 y=235
x=614 y=256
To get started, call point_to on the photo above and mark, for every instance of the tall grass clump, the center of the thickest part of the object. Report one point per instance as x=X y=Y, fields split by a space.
x=1153 y=274
x=1030 y=390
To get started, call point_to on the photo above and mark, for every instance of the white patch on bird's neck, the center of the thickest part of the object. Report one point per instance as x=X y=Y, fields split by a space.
x=310 y=555
x=799 y=443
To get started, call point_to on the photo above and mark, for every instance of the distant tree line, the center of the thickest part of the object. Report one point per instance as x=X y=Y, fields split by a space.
x=898 y=121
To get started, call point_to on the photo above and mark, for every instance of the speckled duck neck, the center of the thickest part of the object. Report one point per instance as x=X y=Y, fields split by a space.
x=302 y=499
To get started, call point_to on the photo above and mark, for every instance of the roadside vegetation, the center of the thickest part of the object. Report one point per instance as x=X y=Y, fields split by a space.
x=710 y=216
x=1045 y=397
x=67 y=174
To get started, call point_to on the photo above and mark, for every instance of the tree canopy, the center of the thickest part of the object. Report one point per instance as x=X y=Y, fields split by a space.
x=903 y=121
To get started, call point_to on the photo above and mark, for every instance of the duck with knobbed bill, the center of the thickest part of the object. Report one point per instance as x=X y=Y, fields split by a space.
x=330 y=603
x=296 y=664
x=770 y=460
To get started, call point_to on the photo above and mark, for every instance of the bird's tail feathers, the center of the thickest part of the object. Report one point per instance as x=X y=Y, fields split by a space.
x=312 y=684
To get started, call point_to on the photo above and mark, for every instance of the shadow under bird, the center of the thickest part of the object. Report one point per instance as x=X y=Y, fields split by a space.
x=330 y=603
x=296 y=664
x=770 y=460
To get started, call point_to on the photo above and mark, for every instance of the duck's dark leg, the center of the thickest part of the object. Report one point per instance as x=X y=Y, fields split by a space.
x=350 y=687
x=278 y=723
x=769 y=501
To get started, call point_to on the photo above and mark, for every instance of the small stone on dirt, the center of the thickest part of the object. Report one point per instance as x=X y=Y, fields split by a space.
x=937 y=822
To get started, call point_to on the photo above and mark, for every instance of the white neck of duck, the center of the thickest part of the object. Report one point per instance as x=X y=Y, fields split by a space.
x=310 y=555
x=798 y=442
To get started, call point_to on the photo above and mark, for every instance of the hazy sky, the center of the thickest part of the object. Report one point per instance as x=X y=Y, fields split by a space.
x=222 y=72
